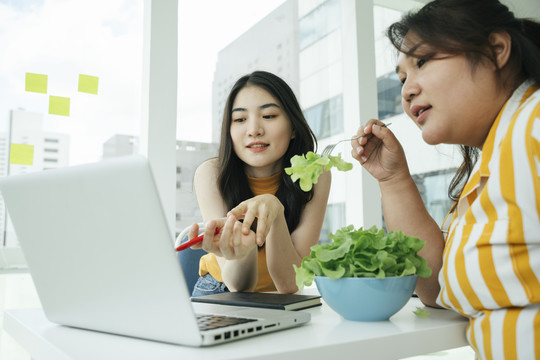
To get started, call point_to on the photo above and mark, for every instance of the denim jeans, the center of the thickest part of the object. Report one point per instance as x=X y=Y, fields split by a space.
x=207 y=285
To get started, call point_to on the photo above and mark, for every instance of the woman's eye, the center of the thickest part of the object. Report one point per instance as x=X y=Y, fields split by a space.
x=269 y=116
x=421 y=62
x=239 y=120
x=402 y=80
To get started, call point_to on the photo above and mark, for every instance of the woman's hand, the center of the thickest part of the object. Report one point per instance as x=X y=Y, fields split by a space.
x=230 y=243
x=379 y=152
x=265 y=208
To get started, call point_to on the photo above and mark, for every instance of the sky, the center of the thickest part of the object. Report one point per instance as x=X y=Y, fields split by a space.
x=103 y=38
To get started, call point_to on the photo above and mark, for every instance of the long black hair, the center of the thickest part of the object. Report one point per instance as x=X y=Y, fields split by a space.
x=464 y=27
x=232 y=180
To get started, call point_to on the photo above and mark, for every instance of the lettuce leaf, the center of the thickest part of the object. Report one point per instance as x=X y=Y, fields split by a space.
x=308 y=167
x=421 y=312
x=363 y=253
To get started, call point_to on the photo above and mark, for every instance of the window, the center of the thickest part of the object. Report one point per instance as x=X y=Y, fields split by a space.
x=334 y=219
x=326 y=118
x=318 y=23
x=389 y=95
x=432 y=186
x=61 y=102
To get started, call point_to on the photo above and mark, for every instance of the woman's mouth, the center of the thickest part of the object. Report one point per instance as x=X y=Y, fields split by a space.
x=417 y=110
x=257 y=146
x=420 y=112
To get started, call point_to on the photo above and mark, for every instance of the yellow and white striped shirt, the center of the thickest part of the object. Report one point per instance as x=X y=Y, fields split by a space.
x=491 y=260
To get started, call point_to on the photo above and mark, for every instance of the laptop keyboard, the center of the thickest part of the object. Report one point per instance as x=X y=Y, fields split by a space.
x=209 y=322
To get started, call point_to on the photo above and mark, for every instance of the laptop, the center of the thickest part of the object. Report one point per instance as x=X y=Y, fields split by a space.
x=102 y=257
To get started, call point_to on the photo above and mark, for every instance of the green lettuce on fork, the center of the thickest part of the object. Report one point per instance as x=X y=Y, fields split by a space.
x=308 y=167
x=363 y=253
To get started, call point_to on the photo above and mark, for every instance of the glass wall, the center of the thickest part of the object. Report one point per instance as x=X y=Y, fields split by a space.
x=333 y=220
x=70 y=81
x=326 y=118
x=388 y=96
x=70 y=84
x=431 y=186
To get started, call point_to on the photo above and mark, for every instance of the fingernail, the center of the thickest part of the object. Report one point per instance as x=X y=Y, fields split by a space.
x=363 y=158
x=376 y=127
x=358 y=149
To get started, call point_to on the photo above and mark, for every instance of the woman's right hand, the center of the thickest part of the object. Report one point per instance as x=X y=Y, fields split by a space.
x=229 y=243
x=379 y=151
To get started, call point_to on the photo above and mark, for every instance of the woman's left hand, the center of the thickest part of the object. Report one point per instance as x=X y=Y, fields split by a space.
x=265 y=208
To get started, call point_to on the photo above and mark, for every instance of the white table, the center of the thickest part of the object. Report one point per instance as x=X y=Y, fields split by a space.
x=326 y=336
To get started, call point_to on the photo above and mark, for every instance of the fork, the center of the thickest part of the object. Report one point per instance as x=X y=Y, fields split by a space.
x=329 y=148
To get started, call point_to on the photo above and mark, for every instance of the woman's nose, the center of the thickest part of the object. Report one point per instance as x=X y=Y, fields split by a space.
x=255 y=128
x=410 y=89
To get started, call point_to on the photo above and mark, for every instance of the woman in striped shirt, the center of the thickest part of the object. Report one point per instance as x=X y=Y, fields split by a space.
x=471 y=76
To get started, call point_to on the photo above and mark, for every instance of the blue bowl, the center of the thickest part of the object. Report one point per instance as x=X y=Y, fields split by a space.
x=366 y=299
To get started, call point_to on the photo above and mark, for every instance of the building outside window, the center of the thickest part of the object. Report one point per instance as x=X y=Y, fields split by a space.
x=320 y=21
x=326 y=118
x=431 y=186
x=333 y=220
x=388 y=96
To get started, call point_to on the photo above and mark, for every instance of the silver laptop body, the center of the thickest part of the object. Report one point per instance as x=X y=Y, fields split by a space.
x=102 y=257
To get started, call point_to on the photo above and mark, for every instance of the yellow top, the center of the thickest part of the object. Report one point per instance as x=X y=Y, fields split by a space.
x=491 y=260
x=209 y=263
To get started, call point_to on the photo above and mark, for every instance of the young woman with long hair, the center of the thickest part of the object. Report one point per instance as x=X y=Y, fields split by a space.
x=266 y=222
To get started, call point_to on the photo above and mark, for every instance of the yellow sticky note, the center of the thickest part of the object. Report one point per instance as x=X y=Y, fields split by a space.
x=59 y=105
x=88 y=84
x=21 y=154
x=36 y=83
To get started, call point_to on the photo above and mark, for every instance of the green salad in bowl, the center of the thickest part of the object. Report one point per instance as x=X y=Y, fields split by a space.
x=363 y=253
x=364 y=275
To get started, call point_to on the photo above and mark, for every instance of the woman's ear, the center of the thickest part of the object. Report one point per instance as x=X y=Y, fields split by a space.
x=501 y=43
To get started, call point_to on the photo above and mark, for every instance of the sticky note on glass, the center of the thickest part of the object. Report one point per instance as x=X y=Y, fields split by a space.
x=88 y=84
x=21 y=154
x=59 y=105
x=36 y=83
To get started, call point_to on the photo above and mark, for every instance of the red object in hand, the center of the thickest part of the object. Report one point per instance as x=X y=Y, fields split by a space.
x=193 y=241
